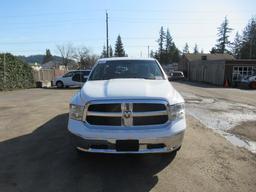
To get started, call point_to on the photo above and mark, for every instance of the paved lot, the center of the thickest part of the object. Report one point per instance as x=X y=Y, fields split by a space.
x=35 y=154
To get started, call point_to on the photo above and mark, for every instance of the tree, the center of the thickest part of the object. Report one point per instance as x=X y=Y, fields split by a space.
x=110 y=51
x=213 y=50
x=119 y=49
x=169 y=47
x=167 y=51
x=104 y=53
x=236 y=46
x=176 y=55
x=67 y=52
x=84 y=58
x=48 y=56
x=14 y=73
x=223 y=34
x=248 y=48
x=161 y=41
x=196 y=49
x=152 y=53
x=186 y=49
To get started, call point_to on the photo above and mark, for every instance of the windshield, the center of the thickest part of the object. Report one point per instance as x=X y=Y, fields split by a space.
x=144 y=69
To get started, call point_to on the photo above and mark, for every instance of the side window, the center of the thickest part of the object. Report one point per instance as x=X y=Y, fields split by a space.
x=86 y=73
x=79 y=77
x=69 y=74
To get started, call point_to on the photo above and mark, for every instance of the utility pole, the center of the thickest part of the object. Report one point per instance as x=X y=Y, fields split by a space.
x=107 y=33
x=148 y=51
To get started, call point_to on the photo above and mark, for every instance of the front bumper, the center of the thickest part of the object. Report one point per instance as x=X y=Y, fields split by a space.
x=163 y=140
x=163 y=145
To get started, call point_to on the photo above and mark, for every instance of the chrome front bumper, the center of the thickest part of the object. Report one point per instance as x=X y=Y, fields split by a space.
x=159 y=145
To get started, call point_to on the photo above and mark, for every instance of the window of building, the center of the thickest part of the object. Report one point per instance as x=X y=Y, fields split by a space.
x=241 y=72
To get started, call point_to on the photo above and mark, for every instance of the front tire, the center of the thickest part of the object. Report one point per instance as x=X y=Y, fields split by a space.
x=253 y=85
x=59 y=84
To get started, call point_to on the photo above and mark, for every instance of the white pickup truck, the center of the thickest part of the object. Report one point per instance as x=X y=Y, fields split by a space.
x=127 y=106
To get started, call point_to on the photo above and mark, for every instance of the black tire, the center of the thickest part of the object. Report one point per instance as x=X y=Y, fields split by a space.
x=178 y=148
x=169 y=156
x=59 y=84
x=253 y=85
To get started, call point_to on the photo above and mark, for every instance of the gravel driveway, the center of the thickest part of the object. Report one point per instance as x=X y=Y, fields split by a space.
x=35 y=154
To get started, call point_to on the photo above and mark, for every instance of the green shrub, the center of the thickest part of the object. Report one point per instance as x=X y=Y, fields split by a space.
x=17 y=73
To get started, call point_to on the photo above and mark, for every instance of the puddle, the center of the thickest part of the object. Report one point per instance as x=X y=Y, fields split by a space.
x=221 y=115
x=201 y=101
x=235 y=140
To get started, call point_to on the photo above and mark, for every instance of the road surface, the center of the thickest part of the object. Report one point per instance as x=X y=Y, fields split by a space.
x=35 y=154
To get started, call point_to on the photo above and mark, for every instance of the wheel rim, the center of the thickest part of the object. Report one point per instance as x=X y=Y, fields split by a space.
x=59 y=84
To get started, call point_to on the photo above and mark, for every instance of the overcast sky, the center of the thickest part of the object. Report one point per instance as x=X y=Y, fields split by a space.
x=29 y=27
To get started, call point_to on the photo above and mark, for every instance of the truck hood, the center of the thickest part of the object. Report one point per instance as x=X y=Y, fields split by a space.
x=130 y=89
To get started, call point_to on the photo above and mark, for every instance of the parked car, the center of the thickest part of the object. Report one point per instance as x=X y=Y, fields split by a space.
x=250 y=81
x=176 y=75
x=72 y=78
x=127 y=106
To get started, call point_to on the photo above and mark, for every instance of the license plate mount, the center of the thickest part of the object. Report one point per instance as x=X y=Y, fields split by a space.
x=127 y=145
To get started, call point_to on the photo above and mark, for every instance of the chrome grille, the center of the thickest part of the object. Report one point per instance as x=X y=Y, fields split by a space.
x=126 y=113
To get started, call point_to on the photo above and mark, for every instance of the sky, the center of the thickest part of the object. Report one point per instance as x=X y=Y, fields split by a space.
x=29 y=27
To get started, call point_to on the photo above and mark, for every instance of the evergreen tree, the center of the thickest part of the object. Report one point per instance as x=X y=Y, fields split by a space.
x=223 y=34
x=167 y=51
x=169 y=47
x=110 y=51
x=104 y=52
x=196 y=49
x=152 y=54
x=186 y=48
x=119 y=49
x=176 y=55
x=248 y=49
x=236 y=46
x=213 y=50
x=161 y=41
x=17 y=74
x=48 y=56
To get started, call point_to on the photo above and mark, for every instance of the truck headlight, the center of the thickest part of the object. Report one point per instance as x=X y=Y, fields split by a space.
x=176 y=111
x=76 y=112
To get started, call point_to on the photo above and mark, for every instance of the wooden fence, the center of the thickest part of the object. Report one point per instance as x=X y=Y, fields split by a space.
x=47 y=74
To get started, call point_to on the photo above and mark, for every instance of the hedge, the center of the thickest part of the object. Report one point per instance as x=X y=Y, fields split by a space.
x=18 y=74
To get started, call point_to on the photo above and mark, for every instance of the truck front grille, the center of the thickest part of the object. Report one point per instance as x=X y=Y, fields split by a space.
x=135 y=113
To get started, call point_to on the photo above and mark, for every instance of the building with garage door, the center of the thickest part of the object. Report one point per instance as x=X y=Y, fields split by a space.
x=216 y=68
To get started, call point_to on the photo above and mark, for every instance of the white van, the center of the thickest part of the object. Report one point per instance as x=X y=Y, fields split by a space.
x=72 y=78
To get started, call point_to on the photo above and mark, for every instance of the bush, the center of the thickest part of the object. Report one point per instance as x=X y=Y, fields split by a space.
x=18 y=74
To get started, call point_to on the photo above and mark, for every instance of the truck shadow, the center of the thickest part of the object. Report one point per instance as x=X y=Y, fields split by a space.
x=44 y=160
